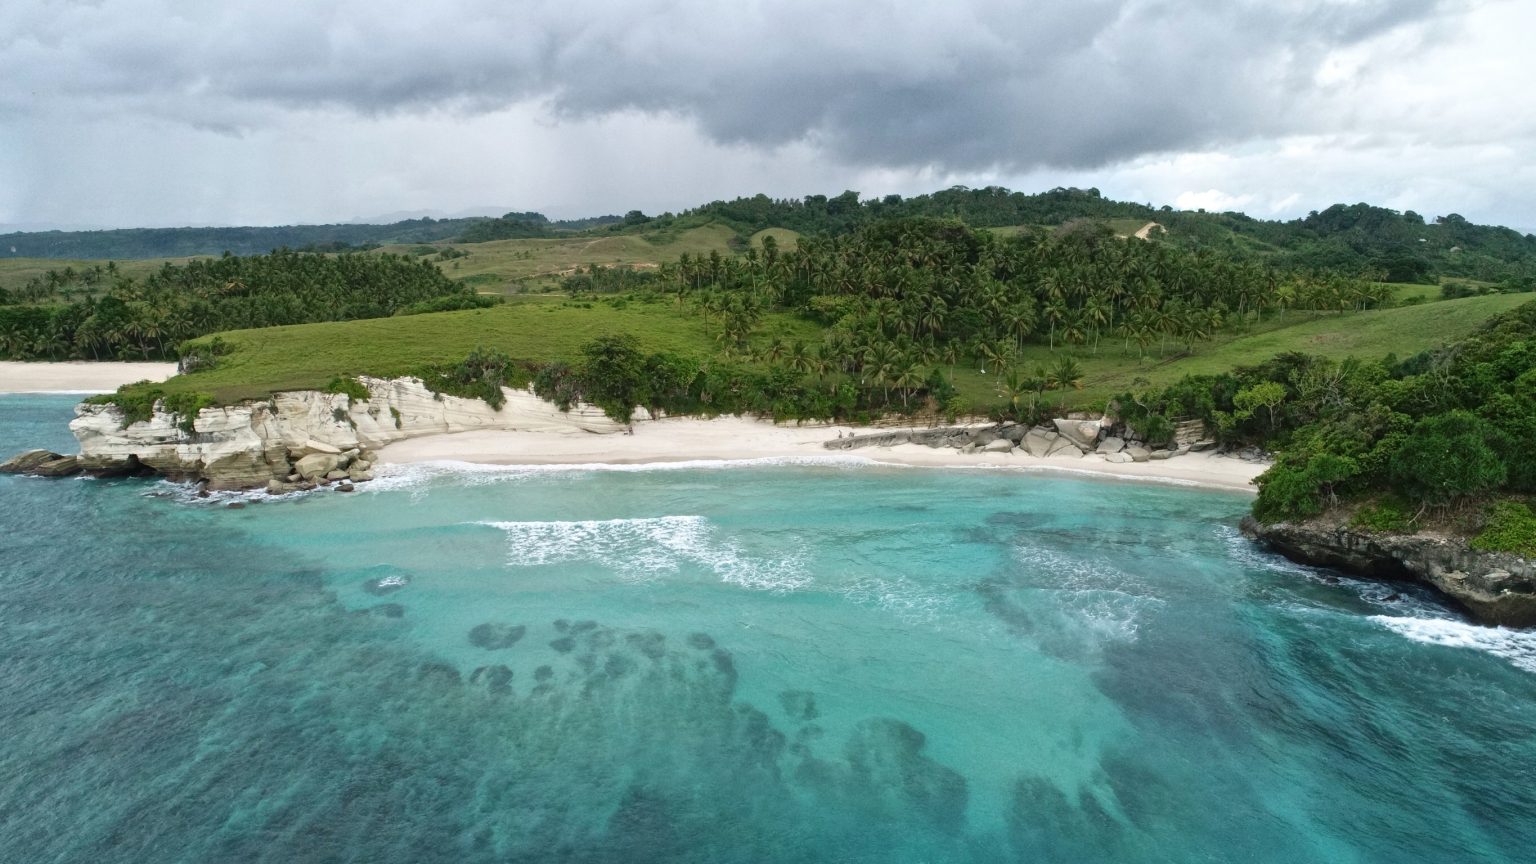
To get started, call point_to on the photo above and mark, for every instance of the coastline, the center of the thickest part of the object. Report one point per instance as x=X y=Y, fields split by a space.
x=735 y=439
x=83 y=377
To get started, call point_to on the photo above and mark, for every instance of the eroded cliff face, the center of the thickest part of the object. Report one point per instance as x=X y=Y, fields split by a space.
x=1495 y=587
x=259 y=443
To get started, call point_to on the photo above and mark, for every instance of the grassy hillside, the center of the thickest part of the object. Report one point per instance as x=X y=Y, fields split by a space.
x=539 y=329
x=16 y=272
x=533 y=265
x=1374 y=334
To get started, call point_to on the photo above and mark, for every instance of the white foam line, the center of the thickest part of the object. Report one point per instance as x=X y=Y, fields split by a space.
x=1516 y=646
x=647 y=547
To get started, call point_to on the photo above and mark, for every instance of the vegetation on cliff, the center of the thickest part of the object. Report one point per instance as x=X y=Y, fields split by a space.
x=1431 y=439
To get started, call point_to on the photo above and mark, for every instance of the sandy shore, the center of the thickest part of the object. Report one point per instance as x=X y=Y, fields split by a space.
x=731 y=438
x=77 y=377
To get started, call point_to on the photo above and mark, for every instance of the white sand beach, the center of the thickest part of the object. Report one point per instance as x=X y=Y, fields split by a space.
x=81 y=377
x=734 y=438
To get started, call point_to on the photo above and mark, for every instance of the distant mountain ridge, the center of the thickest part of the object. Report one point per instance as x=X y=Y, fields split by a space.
x=1399 y=246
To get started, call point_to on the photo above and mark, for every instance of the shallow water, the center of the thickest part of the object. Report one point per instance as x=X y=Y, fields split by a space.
x=769 y=663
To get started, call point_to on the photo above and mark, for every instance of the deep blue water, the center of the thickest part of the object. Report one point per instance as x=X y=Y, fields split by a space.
x=779 y=663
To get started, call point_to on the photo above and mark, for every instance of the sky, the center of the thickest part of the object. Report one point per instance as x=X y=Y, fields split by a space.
x=131 y=113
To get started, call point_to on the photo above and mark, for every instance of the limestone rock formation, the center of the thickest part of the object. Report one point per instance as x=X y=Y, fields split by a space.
x=1495 y=587
x=244 y=446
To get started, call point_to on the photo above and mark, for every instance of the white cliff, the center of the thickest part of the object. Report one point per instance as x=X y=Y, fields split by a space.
x=260 y=443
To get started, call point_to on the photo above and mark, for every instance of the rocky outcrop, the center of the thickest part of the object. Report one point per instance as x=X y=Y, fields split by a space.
x=1081 y=439
x=41 y=463
x=304 y=436
x=1495 y=587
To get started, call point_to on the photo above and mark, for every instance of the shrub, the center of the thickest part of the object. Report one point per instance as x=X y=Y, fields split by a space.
x=1511 y=528
x=1448 y=458
x=1387 y=516
x=354 y=389
x=185 y=406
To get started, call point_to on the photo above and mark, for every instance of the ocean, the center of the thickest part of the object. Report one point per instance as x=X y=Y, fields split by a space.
x=724 y=663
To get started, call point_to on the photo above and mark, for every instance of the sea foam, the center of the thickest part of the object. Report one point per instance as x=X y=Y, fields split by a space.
x=648 y=548
x=1516 y=646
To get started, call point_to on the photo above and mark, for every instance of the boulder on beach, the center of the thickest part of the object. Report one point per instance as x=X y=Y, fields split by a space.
x=1138 y=454
x=1117 y=458
x=317 y=465
x=1111 y=445
x=1083 y=433
x=1157 y=455
x=1063 y=446
x=999 y=445
x=1038 y=441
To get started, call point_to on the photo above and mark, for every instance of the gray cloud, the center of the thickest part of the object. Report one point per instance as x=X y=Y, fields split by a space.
x=959 y=86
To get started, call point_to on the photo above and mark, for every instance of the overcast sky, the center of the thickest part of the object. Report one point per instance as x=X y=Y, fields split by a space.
x=119 y=113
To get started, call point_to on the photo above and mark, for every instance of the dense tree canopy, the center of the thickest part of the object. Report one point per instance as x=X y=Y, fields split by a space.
x=128 y=319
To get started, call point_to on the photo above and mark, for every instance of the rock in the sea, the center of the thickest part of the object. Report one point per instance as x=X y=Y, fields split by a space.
x=42 y=463
x=494 y=637
x=1139 y=454
x=998 y=445
x=357 y=476
x=1111 y=445
x=345 y=487
x=1083 y=433
x=1038 y=441
x=22 y=463
x=337 y=474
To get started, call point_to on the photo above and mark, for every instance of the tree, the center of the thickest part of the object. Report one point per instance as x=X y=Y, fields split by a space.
x=1268 y=394
x=1447 y=459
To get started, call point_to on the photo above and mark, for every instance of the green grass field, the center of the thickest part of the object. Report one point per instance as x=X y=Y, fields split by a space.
x=1374 y=334
x=512 y=266
x=307 y=356
x=537 y=329
x=16 y=272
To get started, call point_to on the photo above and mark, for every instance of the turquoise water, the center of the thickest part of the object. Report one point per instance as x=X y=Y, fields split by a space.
x=773 y=663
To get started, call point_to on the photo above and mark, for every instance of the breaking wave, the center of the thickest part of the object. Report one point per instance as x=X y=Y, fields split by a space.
x=648 y=548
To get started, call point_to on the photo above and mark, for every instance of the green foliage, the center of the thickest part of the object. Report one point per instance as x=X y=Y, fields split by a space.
x=1292 y=490
x=480 y=375
x=185 y=406
x=1511 y=528
x=1266 y=394
x=137 y=403
x=1389 y=515
x=1447 y=458
x=394 y=413
x=451 y=303
x=142 y=319
x=356 y=390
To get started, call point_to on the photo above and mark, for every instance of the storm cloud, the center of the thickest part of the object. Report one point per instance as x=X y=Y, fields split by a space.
x=960 y=85
x=898 y=95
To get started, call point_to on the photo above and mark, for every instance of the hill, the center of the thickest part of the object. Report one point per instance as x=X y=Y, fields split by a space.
x=1356 y=238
